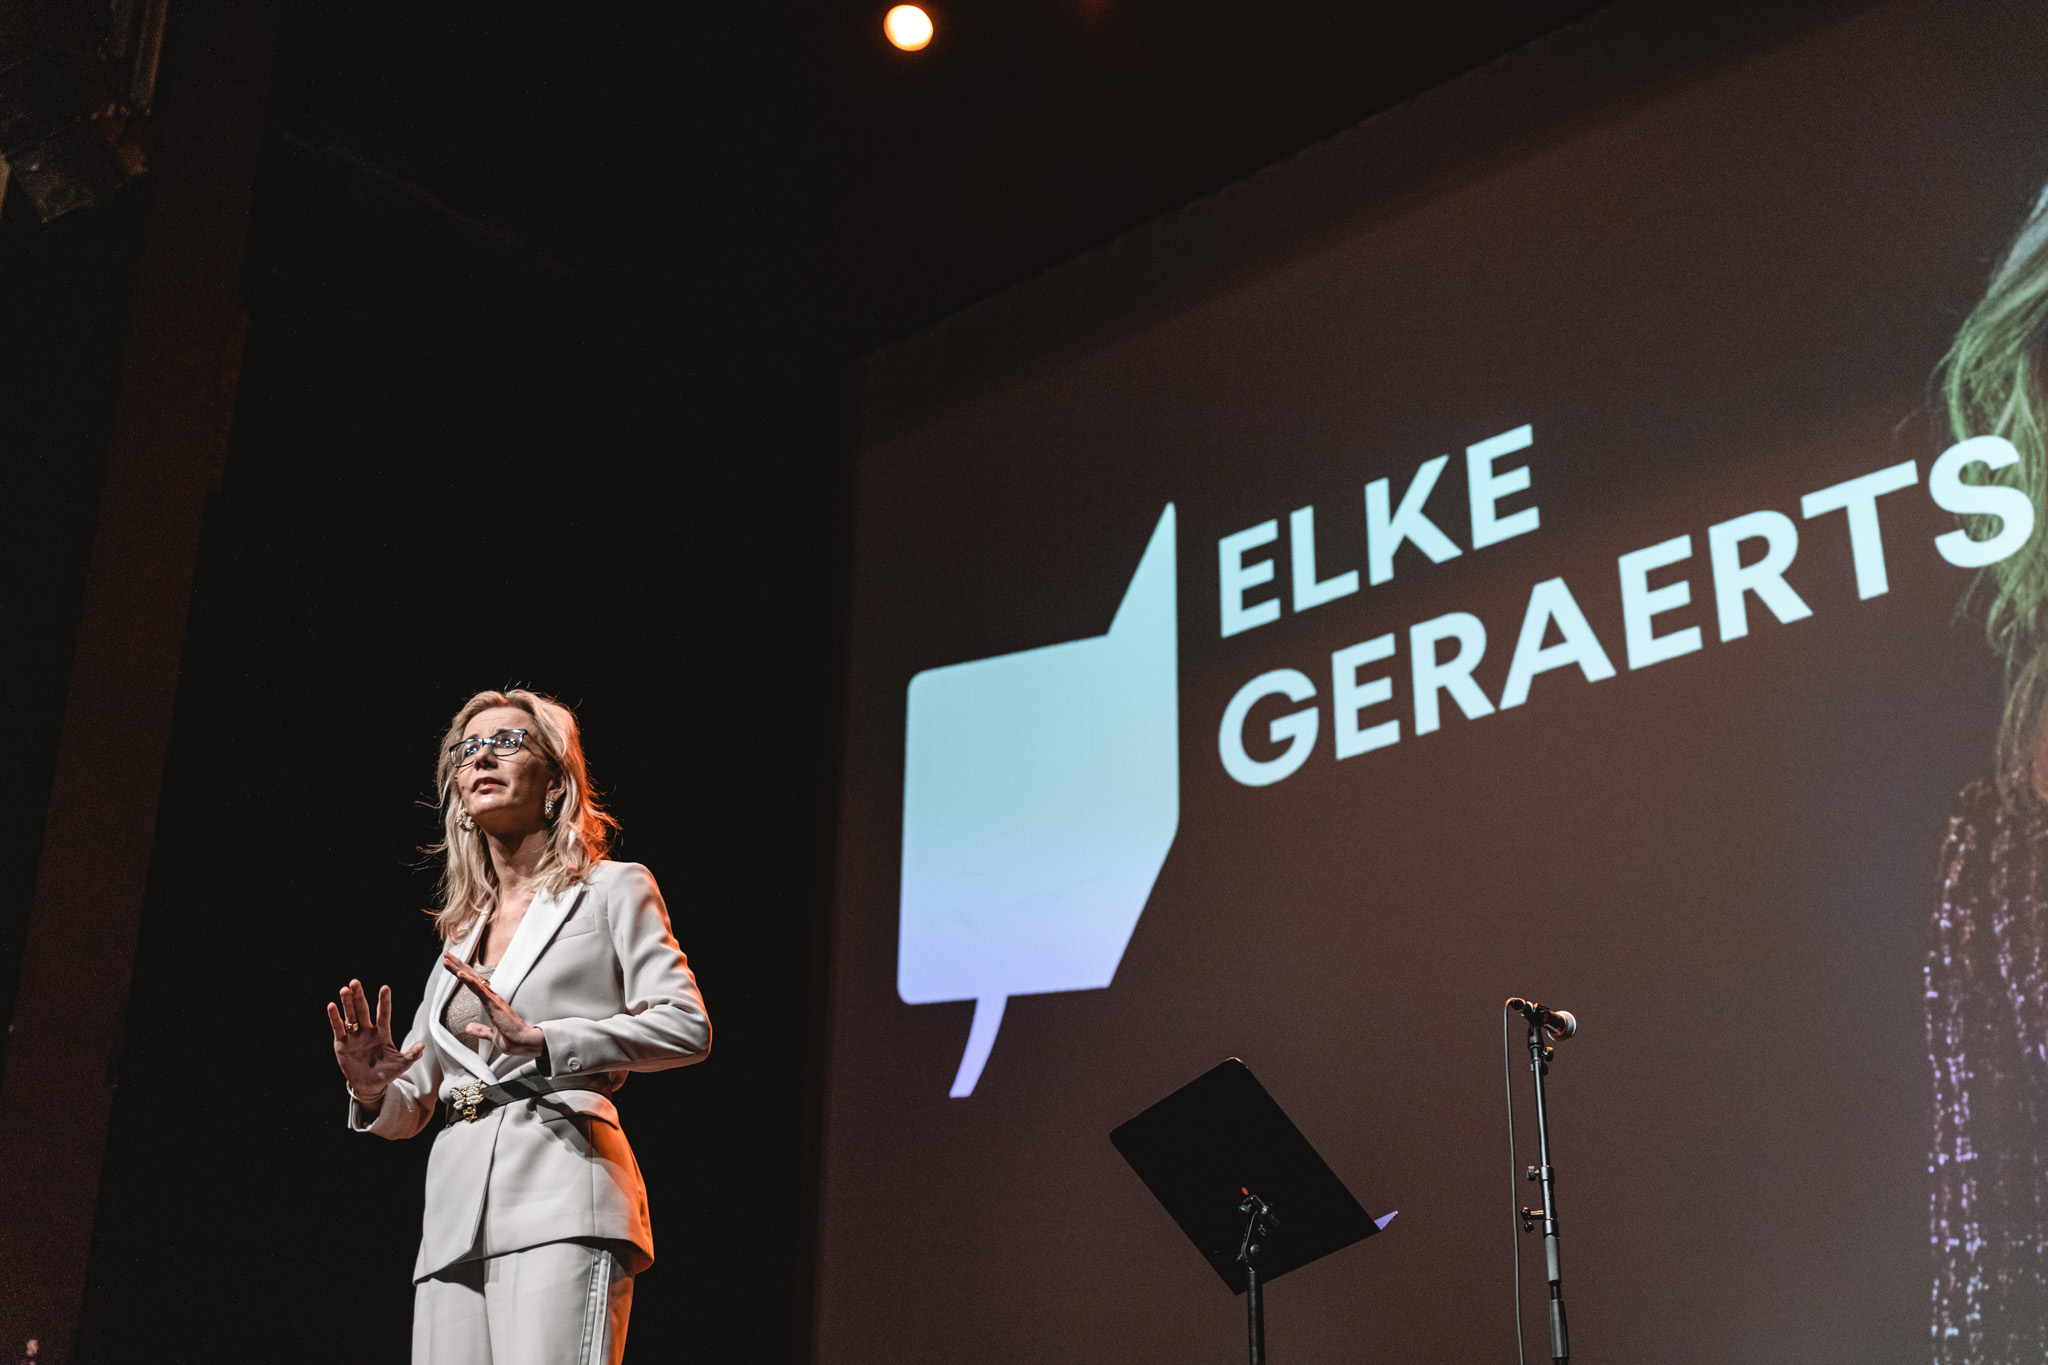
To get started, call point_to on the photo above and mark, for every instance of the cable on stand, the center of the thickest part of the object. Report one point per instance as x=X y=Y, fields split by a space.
x=1507 y=1075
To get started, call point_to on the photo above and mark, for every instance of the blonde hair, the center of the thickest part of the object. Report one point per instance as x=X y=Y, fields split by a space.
x=580 y=832
x=1990 y=382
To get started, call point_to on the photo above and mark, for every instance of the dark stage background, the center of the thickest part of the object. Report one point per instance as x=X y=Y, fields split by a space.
x=534 y=392
x=551 y=378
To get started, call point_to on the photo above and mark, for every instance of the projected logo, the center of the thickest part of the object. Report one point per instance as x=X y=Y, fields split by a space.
x=1041 y=791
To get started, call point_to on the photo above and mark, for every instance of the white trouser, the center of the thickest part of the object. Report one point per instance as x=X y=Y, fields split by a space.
x=560 y=1303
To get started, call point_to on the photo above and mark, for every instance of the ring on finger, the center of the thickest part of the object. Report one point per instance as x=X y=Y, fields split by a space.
x=354 y=1027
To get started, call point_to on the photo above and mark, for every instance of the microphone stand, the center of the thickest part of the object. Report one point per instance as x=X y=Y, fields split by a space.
x=1258 y=1229
x=1539 y=1067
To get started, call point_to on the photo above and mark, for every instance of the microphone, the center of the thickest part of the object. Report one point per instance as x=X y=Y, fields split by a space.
x=1558 y=1024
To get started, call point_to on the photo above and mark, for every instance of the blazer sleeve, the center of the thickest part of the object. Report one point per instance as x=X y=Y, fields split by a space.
x=410 y=1099
x=663 y=1023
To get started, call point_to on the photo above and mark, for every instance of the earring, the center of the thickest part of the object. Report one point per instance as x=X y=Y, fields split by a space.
x=464 y=821
x=547 y=808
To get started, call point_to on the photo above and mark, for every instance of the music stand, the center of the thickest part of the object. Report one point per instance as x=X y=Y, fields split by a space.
x=1246 y=1187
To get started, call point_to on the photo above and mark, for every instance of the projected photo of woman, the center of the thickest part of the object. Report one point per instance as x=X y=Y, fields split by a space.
x=558 y=975
x=1987 y=959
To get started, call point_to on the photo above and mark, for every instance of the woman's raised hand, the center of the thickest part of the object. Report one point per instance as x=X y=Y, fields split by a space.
x=362 y=1043
x=506 y=1031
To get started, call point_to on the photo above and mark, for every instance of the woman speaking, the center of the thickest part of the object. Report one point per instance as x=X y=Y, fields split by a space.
x=558 y=976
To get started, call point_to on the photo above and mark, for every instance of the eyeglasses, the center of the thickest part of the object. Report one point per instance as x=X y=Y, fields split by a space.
x=504 y=744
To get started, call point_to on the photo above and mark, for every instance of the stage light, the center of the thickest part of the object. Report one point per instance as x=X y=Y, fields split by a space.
x=909 y=27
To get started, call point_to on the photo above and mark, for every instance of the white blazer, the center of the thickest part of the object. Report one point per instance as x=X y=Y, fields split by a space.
x=598 y=971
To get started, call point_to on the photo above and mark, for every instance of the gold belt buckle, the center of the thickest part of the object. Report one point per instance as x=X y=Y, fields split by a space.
x=468 y=1098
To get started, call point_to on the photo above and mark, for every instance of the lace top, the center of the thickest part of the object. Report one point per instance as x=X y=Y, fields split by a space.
x=1987 y=1042
x=464 y=1008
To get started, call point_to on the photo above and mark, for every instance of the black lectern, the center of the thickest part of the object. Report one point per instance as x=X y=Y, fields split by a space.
x=1243 y=1183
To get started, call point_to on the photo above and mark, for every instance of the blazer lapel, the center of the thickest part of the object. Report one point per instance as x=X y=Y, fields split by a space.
x=444 y=989
x=536 y=931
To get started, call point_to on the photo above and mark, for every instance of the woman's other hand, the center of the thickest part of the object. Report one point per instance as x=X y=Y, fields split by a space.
x=362 y=1044
x=506 y=1031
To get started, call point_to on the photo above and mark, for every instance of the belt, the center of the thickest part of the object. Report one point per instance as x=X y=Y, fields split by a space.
x=467 y=1104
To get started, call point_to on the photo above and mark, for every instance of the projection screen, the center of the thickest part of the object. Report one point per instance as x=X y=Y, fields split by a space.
x=1573 y=537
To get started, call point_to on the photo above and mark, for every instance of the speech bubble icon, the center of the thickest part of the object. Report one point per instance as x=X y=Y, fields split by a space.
x=1041 y=792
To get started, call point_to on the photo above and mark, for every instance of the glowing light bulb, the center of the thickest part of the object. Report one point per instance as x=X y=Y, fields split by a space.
x=909 y=27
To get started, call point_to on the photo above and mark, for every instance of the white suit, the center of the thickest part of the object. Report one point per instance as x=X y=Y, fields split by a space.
x=598 y=971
